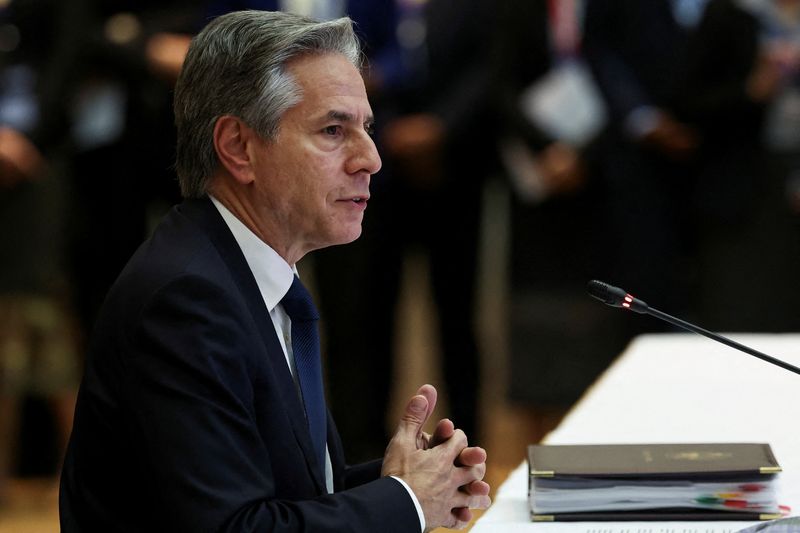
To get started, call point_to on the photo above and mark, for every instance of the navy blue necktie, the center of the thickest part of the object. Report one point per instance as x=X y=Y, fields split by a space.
x=305 y=345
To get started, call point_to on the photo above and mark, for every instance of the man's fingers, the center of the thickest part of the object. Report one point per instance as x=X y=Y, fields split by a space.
x=471 y=456
x=436 y=463
x=479 y=502
x=429 y=391
x=463 y=516
x=414 y=417
x=465 y=475
x=471 y=502
x=422 y=439
x=452 y=447
x=477 y=488
x=443 y=431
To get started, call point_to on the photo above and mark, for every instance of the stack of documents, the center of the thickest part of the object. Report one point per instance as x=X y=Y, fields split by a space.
x=728 y=481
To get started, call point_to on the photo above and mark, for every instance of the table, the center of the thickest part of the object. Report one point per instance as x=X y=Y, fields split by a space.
x=676 y=388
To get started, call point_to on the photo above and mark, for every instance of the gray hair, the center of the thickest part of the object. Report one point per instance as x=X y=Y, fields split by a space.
x=237 y=66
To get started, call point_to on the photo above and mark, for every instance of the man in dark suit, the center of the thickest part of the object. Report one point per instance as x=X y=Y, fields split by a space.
x=198 y=411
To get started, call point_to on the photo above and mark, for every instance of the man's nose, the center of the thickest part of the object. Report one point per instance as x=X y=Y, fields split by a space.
x=365 y=156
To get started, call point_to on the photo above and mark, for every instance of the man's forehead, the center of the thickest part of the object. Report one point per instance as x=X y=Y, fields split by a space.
x=329 y=73
x=332 y=88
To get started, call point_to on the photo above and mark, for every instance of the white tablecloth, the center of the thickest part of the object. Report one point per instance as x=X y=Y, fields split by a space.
x=676 y=388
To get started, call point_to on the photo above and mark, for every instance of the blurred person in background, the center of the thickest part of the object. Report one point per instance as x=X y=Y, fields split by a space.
x=742 y=92
x=637 y=52
x=119 y=109
x=551 y=123
x=38 y=356
x=86 y=89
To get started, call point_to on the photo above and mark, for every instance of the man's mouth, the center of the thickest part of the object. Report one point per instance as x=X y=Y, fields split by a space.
x=358 y=199
x=356 y=202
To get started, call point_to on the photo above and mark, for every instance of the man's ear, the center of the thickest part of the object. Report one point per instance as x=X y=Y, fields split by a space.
x=231 y=138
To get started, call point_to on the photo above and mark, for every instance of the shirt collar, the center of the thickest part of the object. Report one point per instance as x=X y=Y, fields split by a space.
x=273 y=274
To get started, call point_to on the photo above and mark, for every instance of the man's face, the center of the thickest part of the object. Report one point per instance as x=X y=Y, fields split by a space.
x=312 y=181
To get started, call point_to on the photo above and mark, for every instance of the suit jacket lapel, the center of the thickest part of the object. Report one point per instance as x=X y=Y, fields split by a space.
x=206 y=216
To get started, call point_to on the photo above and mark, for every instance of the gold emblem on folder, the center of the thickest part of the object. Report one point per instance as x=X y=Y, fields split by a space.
x=699 y=456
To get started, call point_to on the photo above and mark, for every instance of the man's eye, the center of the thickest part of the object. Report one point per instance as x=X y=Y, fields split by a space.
x=370 y=129
x=332 y=130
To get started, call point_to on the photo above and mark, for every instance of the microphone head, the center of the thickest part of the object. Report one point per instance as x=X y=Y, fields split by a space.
x=608 y=294
x=614 y=296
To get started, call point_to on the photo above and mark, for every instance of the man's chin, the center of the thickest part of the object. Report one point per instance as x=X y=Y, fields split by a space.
x=343 y=238
x=352 y=236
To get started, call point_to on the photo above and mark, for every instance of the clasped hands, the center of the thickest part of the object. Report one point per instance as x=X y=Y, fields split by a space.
x=445 y=473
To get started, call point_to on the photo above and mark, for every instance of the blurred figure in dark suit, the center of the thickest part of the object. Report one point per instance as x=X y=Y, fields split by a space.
x=120 y=108
x=38 y=359
x=742 y=90
x=636 y=51
x=552 y=117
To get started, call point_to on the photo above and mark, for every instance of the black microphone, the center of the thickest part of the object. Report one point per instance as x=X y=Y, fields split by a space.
x=616 y=297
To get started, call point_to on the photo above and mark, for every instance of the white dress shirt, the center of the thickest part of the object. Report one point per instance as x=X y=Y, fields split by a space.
x=274 y=277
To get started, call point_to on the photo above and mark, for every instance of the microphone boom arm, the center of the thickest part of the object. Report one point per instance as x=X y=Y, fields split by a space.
x=719 y=338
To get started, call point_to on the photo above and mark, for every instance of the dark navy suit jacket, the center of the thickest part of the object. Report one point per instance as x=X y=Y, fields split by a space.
x=188 y=418
x=636 y=51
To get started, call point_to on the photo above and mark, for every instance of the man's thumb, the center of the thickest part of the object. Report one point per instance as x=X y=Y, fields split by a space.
x=414 y=417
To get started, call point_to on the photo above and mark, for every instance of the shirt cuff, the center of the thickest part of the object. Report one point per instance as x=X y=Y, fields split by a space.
x=415 y=500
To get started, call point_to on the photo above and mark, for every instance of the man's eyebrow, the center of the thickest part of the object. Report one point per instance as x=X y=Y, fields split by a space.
x=344 y=116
